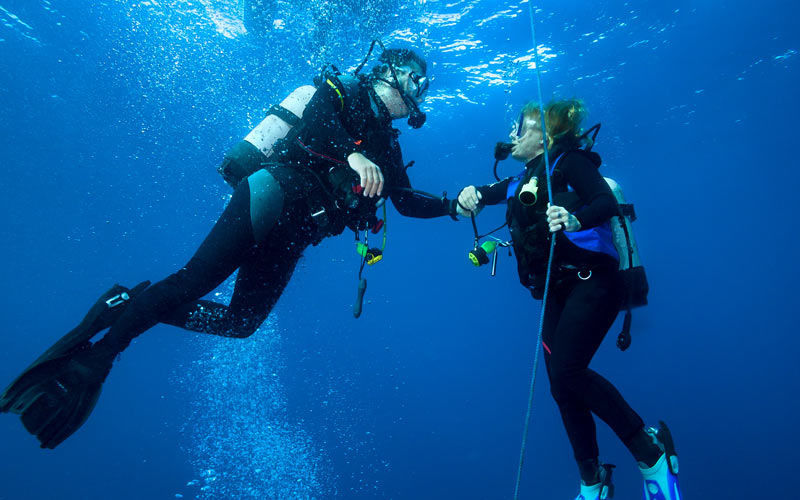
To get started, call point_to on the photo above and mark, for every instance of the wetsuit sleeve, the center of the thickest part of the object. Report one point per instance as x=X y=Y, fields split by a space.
x=599 y=203
x=326 y=129
x=492 y=194
x=413 y=204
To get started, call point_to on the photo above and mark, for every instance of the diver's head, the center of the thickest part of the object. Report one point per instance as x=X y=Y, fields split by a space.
x=401 y=83
x=563 y=117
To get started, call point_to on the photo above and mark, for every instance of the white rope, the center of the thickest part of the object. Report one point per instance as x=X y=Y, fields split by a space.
x=542 y=119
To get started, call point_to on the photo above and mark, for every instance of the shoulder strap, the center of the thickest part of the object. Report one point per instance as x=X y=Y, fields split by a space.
x=284 y=114
x=345 y=86
x=555 y=163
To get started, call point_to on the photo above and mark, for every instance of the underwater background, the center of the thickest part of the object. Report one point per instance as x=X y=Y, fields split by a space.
x=114 y=116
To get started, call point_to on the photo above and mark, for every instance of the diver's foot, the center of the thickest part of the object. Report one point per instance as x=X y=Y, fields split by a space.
x=104 y=313
x=661 y=480
x=601 y=490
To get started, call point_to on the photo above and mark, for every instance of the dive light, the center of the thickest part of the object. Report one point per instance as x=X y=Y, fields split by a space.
x=480 y=255
x=527 y=195
x=371 y=255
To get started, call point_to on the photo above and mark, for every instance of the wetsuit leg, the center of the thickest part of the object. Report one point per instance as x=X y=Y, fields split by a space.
x=259 y=284
x=230 y=243
x=264 y=272
x=242 y=160
x=584 y=312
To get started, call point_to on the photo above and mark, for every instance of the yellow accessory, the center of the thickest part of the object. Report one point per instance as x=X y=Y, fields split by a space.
x=338 y=92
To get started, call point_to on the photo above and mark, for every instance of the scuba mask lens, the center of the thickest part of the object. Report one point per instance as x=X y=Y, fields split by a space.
x=422 y=83
x=417 y=118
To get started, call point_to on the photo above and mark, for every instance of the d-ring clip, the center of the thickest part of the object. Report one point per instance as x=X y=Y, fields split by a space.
x=580 y=275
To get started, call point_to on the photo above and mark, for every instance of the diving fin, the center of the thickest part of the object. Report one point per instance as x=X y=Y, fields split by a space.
x=601 y=490
x=55 y=395
x=661 y=480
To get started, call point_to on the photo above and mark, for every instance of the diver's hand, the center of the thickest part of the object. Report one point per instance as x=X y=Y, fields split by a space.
x=466 y=213
x=468 y=200
x=559 y=219
x=369 y=173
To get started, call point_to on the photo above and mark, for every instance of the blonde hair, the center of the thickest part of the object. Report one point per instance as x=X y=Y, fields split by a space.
x=563 y=117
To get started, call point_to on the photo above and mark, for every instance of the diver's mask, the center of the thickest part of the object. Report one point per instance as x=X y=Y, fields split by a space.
x=416 y=117
x=421 y=82
x=517 y=127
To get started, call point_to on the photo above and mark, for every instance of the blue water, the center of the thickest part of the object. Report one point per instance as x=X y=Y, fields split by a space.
x=114 y=116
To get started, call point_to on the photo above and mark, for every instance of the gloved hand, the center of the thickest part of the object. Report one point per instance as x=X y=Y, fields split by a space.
x=469 y=201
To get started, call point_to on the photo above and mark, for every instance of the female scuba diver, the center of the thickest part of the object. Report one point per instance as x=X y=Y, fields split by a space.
x=586 y=290
x=305 y=190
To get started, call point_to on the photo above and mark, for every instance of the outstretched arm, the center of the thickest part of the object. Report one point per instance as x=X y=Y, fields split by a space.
x=473 y=198
x=414 y=204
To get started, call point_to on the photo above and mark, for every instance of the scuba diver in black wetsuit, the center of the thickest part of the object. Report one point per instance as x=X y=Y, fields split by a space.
x=325 y=174
x=586 y=289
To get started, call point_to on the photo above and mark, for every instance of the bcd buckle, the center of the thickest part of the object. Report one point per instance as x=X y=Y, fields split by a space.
x=320 y=217
x=117 y=300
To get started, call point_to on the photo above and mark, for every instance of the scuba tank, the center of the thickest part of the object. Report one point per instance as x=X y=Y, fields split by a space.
x=280 y=120
x=623 y=232
x=263 y=142
x=630 y=264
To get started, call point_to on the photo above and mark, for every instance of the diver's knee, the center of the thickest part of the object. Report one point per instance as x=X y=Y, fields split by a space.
x=191 y=281
x=564 y=385
x=558 y=390
x=243 y=328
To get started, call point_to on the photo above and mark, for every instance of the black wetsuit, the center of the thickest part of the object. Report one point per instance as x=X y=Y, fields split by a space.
x=579 y=311
x=268 y=222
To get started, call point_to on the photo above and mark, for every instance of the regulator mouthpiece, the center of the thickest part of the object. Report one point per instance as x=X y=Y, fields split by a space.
x=416 y=118
x=502 y=150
